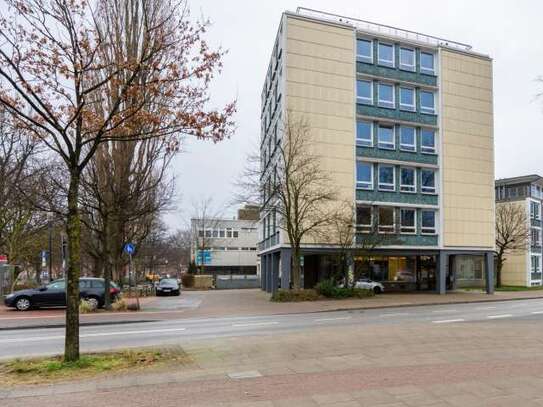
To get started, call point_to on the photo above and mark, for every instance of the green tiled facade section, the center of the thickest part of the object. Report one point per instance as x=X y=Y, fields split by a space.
x=395 y=114
x=395 y=74
x=396 y=197
x=405 y=240
x=375 y=152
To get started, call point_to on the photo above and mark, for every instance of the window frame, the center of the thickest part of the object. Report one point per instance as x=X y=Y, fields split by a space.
x=425 y=70
x=422 y=147
x=388 y=229
x=364 y=58
x=362 y=99
x=535 y=242
x=404 y=67
x=385 y=104
x=412 y=107
x=386 y=145
x=426 y=110
x=360 y=184
x=428 y=230
x=412 y=148
x=411 y=189
x=371 y=134
x=385 y=186
x=428 y=190
x=408 y=230
x=364 y=228
x=384 y=62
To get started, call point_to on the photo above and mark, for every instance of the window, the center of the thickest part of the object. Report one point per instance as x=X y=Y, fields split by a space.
x=229 y=232
x=57 y=285
x=221 y=233
x=407 y=59
x=364 y=175
x=364 y=51
x=235 y=234
x=364 y=92
x=97 y=284
x=386 y=220
x=534 y=210
x=428 y=222
x=536 y=265
x=215 y=233
x=407 y=99
x=386 y=95
x=386 y=54
x=364 y=219
x=200 y=233
x=536 y=241
x=427 y=102
x=428 y=181
x=407 y=221
x=386 y=178
x=209 y=233
x=427 y=63
x=385 y=137
x=428 y=141
x=407 y=180
x=364 y=133
x=407 y=139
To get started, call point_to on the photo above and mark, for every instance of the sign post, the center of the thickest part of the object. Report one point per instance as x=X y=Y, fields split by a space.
x=129 y=249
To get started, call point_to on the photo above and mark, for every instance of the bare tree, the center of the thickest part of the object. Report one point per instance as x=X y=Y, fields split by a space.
x=204 y=229
x=52 y=81
x=298 y=191
x=512 y=233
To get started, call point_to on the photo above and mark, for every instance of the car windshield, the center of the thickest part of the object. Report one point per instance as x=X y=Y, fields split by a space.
x=168 y=281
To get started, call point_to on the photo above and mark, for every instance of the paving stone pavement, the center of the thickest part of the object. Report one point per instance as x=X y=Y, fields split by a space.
x=474 y=364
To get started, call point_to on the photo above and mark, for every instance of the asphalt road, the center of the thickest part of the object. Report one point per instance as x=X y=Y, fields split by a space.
x=34 y=342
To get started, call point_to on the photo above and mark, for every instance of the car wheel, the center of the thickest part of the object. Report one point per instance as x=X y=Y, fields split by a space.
x=377 y=290
x=93 y=302
x=23 y=304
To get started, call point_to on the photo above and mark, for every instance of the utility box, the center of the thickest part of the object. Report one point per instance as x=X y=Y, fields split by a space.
x=7 y=274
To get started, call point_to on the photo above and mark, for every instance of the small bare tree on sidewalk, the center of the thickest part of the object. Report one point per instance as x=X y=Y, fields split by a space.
x=204 y=229
x=512 y=233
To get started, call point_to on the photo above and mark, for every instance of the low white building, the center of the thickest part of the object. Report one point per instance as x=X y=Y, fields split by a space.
x=226 y=246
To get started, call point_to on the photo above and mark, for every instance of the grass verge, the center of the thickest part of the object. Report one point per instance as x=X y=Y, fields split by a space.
x=518 y=288
x=52 y=369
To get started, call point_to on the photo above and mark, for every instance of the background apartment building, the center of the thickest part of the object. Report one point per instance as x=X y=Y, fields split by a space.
x=523 y=267
x=226 y=246
x=403 y=124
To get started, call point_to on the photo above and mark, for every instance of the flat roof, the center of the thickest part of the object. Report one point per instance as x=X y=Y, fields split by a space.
x=522 y=179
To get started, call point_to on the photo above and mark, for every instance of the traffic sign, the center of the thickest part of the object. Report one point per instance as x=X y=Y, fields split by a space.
x=3 y=259
x=129 y=248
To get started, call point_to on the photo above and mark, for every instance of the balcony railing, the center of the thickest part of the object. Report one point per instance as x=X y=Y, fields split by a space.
x=383 y=29
x=536 y=276
x=269 y=242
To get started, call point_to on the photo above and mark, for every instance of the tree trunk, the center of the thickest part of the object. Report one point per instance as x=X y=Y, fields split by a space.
x=107 y=264
x=71 y=346
x=499 y=266
x=296 y=269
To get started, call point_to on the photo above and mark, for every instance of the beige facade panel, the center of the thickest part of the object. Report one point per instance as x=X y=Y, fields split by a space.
x=320 y=78
x=467 y=150
x=515 y=270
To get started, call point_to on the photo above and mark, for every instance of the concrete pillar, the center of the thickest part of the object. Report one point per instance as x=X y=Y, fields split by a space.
x=262 y=274
x=269 y=273
x=274 y=272
x=489 y=272
x=286 y=257
x=441 y=272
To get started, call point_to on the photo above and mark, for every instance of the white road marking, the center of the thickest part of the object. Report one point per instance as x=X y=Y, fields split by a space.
x=447 y=321
x=255 y=324
x=445 y=311
x=244 y=375
x=398 y=314
x=331 y=319
x=499 y=316
x=92 y=335
x=537 y=312
x=484 y=308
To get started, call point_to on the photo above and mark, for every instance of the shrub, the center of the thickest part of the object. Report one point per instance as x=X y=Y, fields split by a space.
x=119 y=305
x=328 y=289
x=85 y=307
x=187 y=280
x=295 y=295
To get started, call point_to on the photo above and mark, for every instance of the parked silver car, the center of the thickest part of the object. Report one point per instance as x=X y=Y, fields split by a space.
x=368 y=284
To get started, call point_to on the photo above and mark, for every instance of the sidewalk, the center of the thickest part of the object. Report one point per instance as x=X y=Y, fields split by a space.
x=249 y=302
x=380 y=365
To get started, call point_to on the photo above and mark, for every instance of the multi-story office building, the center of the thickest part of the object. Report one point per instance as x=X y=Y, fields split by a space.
x=226 y=246
x=523 y=267
x=403 y=123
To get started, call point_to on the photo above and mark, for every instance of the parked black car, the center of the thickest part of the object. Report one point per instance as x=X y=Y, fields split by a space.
x=54 y=294
x=168 y=286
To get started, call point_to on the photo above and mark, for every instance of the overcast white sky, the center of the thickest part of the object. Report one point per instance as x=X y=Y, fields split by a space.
x=511 y=32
